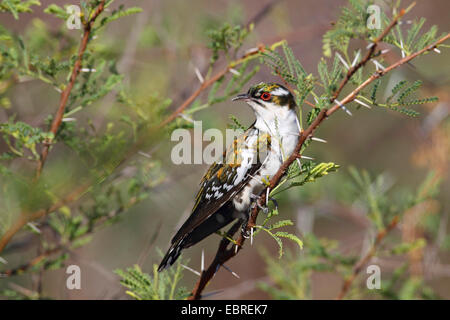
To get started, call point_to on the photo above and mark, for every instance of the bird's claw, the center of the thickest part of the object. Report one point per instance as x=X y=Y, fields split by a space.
x=245 y=233
x=264 y=209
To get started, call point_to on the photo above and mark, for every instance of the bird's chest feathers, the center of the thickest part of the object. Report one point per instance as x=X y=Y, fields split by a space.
x=284 y=136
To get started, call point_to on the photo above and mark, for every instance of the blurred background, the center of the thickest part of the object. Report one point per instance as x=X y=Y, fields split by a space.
x=158 y=50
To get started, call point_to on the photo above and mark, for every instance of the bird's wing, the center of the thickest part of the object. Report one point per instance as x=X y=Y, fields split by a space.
x=224 y=180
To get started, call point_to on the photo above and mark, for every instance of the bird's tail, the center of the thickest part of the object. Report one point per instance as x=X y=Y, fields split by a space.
x=172 y=255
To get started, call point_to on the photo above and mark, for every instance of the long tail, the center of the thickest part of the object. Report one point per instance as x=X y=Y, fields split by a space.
x=172 y=255
x=217 y=221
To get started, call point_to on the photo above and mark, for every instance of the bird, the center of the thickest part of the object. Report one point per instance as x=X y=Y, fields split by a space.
x=229 y=187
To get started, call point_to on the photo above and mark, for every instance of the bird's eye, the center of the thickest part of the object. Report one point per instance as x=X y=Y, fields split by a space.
x=265 y=96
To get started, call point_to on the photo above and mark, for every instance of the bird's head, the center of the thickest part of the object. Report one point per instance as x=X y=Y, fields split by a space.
x=269 y=100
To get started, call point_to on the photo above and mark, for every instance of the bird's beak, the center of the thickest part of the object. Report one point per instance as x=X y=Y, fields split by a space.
x=242 y=96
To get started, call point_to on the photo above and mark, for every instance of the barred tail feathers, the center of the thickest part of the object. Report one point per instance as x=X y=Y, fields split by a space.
x=172 y=255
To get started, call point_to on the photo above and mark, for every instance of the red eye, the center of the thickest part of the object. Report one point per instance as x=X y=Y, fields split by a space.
x=265 y=96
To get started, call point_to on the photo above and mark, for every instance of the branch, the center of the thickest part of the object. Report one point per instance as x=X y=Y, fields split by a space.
x=26 y=217
x=207 y=83
x=25 y=267
x=368 y=56
x=223 y=254
x=350 y=97
x=364 y=260
x=420 y=207
x=57 y=119
x=99 y=223
x=222 y=257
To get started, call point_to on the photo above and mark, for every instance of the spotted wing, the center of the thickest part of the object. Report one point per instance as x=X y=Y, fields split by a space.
x=224 y=180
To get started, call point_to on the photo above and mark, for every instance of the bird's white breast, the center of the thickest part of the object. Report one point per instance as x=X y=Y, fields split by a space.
x=284 y=134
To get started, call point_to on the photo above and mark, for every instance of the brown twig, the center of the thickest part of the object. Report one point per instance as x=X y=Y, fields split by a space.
x=369 y=55
x=224 y=255
x=364 y=260
x=25 y=267
x=91 y=230
x=57 y=119
x=413 y=211
x=207 y=83
x=351 y=96
x=26 y=217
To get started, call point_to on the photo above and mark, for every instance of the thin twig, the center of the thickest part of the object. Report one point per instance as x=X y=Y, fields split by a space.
x=369 y=55
x=207 y=83
x=364 y=260
x=26 y=217
x=381 y=72
x=25 y=267
x=57 y=119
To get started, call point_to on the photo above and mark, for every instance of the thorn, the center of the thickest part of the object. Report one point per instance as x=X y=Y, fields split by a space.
x=57 y=89
x=234 y=71
x=301 y=130
x=232 y=272
x=343 y=107
x=437 y=50
x=385 y=51
x=190 y=269
x=370 y=45
x=318 y=139
x=253 y=196
x=298 y=125
x=236 y=247
x=199 y=75
x=378 y=65
x=185 y=117
x=142 y=153
x=69 y=119
x=251 y=237
x=305 y=157
x=356 y=58
x=317 y=101
x=346 y=110
x=3 y=260
x=33 y=226
x=267 y=195
x=202 y=266
x=88 y=70
x=403 y=52
x=342 y=60
x=362 y=103
x=251 y=51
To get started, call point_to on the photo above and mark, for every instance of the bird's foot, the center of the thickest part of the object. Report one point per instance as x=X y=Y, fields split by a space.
x=245 y=233
x=263 y=208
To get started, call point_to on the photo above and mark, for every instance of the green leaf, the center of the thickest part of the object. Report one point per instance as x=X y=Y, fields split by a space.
x=116 y=14
x=290 y=236
x=280 y=224
x=57 y=11
x=17 y=6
